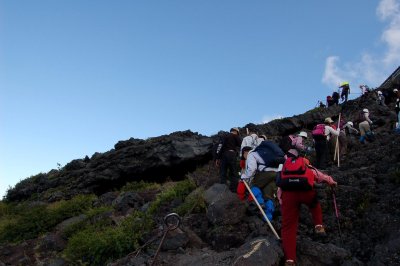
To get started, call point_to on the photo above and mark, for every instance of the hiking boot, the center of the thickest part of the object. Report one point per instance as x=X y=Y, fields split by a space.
x=320 y=230
x=290 y=263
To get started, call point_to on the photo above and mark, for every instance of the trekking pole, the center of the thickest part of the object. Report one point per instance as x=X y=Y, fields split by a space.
x=261 y=209
x=337 y=214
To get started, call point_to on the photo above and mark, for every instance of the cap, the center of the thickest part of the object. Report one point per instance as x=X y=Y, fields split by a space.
x=365 y=110
x=379 y=92
x=395 y=90
x=303 y=134
x=350 y=123
x=328 y=120
x=344 y=84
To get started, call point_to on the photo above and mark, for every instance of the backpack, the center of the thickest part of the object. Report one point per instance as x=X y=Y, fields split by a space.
x=295 y=175
x=318 y=131
x=217 y=146
x=271 y=153
x=335 y=95
x=286 y=143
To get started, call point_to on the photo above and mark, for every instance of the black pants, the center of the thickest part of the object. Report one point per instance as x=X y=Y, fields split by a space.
x=321 y=150
x=229 y=170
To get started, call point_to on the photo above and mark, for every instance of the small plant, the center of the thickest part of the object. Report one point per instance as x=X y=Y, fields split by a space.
x=178 y=191
x=98 y=246
x=194 y=202
x=140 y=186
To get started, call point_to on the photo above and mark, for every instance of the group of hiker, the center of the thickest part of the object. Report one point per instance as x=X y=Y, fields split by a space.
x=343 y=92
x=279 y=175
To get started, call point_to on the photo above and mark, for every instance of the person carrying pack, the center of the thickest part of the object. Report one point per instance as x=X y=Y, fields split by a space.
x=295 y=187
x=294 y=142
x=345 y=91
x=227 y=159
x=365 y=127
x=321 y=134
x=335 y=97
x=262 y=163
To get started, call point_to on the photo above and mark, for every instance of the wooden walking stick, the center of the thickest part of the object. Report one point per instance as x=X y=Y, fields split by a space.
x=337 y=144
x=261 y=209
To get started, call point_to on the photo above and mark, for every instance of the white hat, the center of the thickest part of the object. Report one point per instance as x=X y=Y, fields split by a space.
x=395 y=90
x=365 y=110
x=303 y=134
x=350 y=123
x=328 y=120
x=379 y=92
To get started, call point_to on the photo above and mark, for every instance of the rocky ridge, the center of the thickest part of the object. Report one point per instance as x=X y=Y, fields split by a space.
x=225 y=234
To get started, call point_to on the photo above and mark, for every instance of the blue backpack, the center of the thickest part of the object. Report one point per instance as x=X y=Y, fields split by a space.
x=271 y=154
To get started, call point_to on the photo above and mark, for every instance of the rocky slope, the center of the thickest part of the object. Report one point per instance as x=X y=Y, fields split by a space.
x=224 y=233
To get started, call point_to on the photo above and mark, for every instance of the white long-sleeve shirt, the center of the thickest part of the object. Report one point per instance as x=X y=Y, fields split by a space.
x=254 y=162
x=329 y=130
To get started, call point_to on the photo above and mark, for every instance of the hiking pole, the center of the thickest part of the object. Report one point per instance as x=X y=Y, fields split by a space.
x=337 y=214
x=261 y=209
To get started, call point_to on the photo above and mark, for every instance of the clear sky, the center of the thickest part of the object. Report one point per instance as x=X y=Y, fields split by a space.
x=78 y=76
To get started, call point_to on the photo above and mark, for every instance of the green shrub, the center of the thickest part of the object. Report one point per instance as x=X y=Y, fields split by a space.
x=140 y=186
x=194 y=202
x=32 y=220
x=178 y=191
x=98 y=246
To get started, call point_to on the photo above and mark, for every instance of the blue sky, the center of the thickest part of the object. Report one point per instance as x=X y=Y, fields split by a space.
x=78 y=76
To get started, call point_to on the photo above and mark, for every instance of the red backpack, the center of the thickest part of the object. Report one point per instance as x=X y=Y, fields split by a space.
x=296 y=175
x=319 y=130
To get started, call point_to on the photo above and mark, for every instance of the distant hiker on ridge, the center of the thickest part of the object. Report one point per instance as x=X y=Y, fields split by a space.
x=227 y=160
x=345 y=91
x=335 y=97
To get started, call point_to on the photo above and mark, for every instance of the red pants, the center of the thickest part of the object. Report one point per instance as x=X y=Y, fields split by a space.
x=290 y=208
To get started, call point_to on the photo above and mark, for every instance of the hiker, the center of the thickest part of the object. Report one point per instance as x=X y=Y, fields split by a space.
x=296 y=188
x=365 y=126
x=397 y=109
x=243 y=157
x=261 y=167
x=267 y=204
x=295 y=142
x=250 y=140
x=321 y=134
x=335 y=97
x=342 y=139
x=351 y=134
x=329 y=101
x=227 y=160
x=321 y=104
x=364 y=89
x=381 y=98
x=345 y=91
